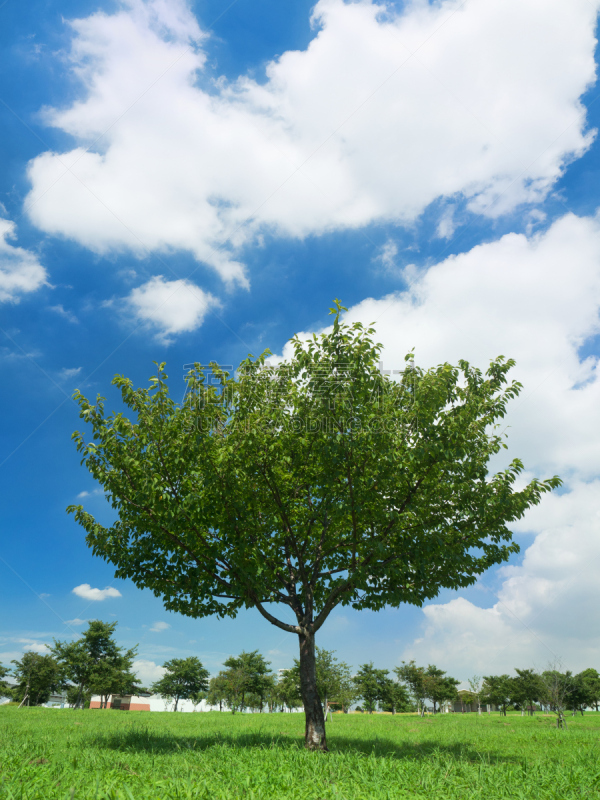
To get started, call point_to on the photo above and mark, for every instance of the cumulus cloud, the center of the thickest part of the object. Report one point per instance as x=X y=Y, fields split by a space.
x=170 y=307
x=147 y=671
x=89 y=593
x=385 y=111
x=536 y=299
x=20 y=270
x=34 y=646
x=159 y=627
x=546 y=609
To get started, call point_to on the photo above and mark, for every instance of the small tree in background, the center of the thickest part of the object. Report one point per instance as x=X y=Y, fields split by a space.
x=465 y=698
x=96 y=664
x=497 y=690
x=395 y=697
x=591 y=681
x=372 y=685
x=526 y=689
x=184 y=679
x=579 y=696
x=288 y=689
x=37 y=677
x=217 y=691
x=249 y=674
x=414 y=678
x=5 y=689
x=439 y=687
x=475 y=687
x=310 y=484
x=334 y=678
x=555 y=689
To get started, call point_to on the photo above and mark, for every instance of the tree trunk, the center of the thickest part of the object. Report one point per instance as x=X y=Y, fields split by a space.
x=314 y=735
x=176 y=702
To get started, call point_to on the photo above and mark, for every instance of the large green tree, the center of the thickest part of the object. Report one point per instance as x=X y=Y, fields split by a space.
x=37 y=677
x=315 y=482
x=184 y=679
x=96 y=664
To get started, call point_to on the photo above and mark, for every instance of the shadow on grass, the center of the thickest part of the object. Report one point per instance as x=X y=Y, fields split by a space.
x=141 y=740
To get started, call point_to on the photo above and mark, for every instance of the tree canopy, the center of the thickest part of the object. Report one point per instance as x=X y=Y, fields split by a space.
x=96 y=664
x=37 y=677
x=310 y=483
x=184 y=679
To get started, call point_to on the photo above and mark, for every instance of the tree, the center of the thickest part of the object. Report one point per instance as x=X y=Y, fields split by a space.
x=217 y=691
x=334 y=678
x=555 y=689
x=414 y=678
x=248 y=673
x=466 y=699
x=96 y=664
x=235 y=687
x=346 y=689
x=5 y=689
x=475 y=687
x=288 y=689
x=591 y=681
x=316 y=482
x=438 y=686
x=579 y=696
x=271 y=695
x=37 y=676
x=372 y=685
x=395 y=697
x=526 y=689
x=184 y=679
x=497 y=690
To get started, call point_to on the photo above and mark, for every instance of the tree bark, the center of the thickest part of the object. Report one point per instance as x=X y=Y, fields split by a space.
x=314 y=735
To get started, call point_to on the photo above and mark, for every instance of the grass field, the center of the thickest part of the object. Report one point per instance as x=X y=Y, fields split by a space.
x=113 y=755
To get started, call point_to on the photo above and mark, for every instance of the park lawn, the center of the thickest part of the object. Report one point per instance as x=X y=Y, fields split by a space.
x=120 y=755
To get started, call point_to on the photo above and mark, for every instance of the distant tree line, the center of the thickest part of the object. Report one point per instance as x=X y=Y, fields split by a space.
x=95 y=664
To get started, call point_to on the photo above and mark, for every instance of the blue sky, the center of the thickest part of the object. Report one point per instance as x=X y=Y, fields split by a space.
x=198 y=181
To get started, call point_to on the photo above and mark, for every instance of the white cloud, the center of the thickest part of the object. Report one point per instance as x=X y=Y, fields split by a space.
x=67 y=373
x=533 y=299
x=386 y=256
x=76 y=621
x=20 y=270
x=84 y=494
x=546 y=608
x=34 y=646
x=147 y=671
x=383 y=113
x=159 y=627
x=88 y=593
x=170 y=307
x=64 y=313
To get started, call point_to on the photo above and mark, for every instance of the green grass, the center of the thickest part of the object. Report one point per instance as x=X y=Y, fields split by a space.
x=112 y=755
